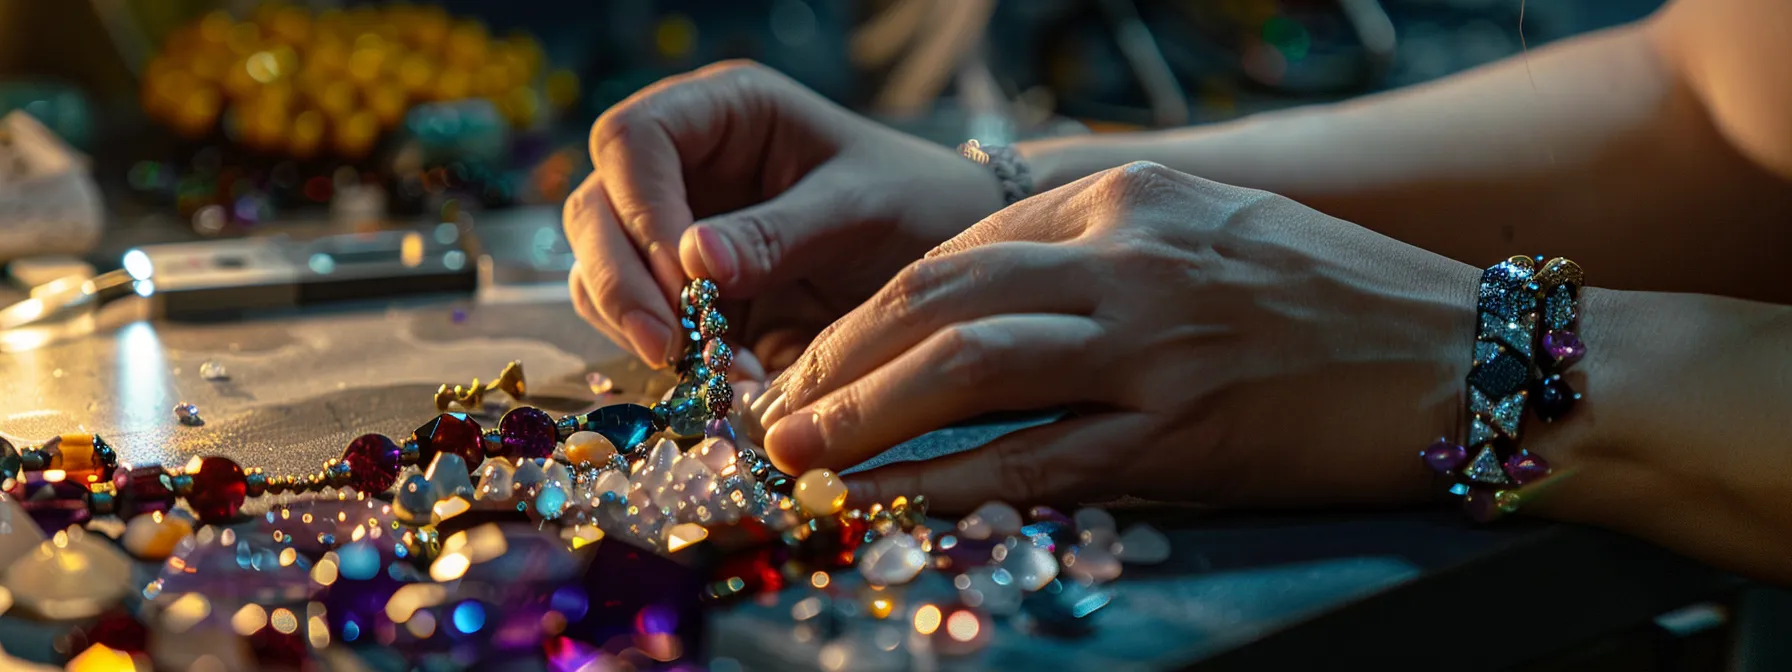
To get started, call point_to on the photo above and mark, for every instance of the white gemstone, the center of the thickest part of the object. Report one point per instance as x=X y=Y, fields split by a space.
x=73 y=576
x=1092 y=564
x=496 y=481
x=992 y=519
x=416 y=501
x=559 y=475
x=982 y=589
x=610 y=481
x=892 y=560
x=1096 y=527
x=529 y=475
x=213 y=370
x=448 y=474
x=1143 y=545
x=1032 y=567
x=716 y=452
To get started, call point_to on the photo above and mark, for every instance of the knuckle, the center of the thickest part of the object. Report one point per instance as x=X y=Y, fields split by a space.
x=760 y=243
x=970 y=355
x=841 y=417
x=916 y=284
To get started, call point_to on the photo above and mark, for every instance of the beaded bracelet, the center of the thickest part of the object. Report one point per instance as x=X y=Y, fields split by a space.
x=1010 y=170
x=1512 y=369
x=215 y=487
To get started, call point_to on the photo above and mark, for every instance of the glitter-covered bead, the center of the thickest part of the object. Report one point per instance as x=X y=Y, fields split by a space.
x=374 y=462
x=820 y=492
x=527 y=433
x=718 y=396
x=718 y=355
x=703 y=292
x=712 y=325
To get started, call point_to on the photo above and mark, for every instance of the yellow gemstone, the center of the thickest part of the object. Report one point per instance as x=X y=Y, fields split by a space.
x=820 y=492
x=152 y=536
x=1507 y=500
x=592 y=447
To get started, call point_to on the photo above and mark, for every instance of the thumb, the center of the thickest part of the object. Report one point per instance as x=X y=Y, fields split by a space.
x=760 y=246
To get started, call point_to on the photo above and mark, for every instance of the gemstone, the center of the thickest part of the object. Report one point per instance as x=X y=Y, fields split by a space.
x=1444 y=456
x=416 y=501
x=625 y=425
x=75 y=576
x=1525 y=467
x=1500 y=376
x=1486 y=468
x=717 y=453
x=153 y=536
x=449 y=475
x=19 y=535
x=991 y=589
x=1481 y=505
x=993 y=519
x=213 y=370
x=610 y=482
x=686 y=415
x=54 y=505
x=219 y=488
x=1554 y=398
x=1032 y=567
x=374 y=462
x=599 y=384
x=527 y=432
x=10 y=462
x=529 y=474
x=712 y=325
x=142 y=489
x=821 y=493
x=1479 y=432
x=1485 y=350
x=450 y=433
x=550 y=503
x=1142 y=544
x=1507 y=500
x=1096 y=526
x=1563 y=347
x=585 y=447
x=719 y=428
x=1558 y=308
x=188 y=414
x=1514 y=333
x=718 y=396
x=718 y=355
x=1508 y=412
x=83 y=458
x=892 y=560
x=1092 y=564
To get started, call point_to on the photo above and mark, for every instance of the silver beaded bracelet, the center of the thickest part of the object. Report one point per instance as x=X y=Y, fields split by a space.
x=1017 y=181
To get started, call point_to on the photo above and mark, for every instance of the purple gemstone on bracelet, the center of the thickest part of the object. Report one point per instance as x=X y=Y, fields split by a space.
x=1563 y=347
x=1525 y=467
x=527 y=433
x=1482 y=505
x=1444 y=456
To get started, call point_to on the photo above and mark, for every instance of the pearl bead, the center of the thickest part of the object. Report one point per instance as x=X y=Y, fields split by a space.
x=820 y=492
x=589 y=447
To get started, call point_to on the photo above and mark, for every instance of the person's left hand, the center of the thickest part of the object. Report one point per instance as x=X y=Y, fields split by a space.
x=1216 y=344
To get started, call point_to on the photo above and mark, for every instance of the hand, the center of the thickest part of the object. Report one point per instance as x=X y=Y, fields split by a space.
x=764 y=187
x=1216 y=344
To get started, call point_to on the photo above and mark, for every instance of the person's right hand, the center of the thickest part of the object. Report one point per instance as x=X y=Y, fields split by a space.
x=796 y=208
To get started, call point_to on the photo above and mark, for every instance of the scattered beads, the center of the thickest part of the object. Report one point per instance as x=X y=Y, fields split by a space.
x=188 y=414
x=820 y=492
x=213 y=370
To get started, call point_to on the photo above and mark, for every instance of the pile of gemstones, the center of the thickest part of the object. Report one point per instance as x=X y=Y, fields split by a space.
x=599 y=538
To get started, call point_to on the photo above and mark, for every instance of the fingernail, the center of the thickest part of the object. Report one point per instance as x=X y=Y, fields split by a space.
x=795 y=443
x=649 y=338
x=718 y=254
x=771 y=394
x=774 y=412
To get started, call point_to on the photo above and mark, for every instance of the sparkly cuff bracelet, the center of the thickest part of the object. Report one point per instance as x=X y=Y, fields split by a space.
x=1513 y=368
x=1017 y=181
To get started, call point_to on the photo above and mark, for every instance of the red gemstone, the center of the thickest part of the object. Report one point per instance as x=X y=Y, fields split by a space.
x=374 y=462
x=142 y=489
x=527 y=433
x=219 y=488
x=1526 y=467
x=450 y=433
x=759 y=571
x=1444 y=456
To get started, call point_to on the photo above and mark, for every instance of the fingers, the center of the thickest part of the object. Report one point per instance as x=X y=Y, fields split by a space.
x=931 y=295
x=614 y=279
x=581 y=302
x=1057 y=463
x=999 y=363
x=761 y=246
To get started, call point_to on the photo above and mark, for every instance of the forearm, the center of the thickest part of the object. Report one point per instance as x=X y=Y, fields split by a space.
x=1685 y=435
x=1609 y=159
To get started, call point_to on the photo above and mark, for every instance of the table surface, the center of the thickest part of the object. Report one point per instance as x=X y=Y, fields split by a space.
x=1241 y=591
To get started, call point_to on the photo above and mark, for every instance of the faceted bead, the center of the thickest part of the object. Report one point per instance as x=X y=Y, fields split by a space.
x=625 y=425
x=450 y=433
x=219 y=488
x=1564 y=348
x=821 y=493
x=374 y=462
x=54 y=505
x=686 y=415
x=1552 y=398
x=1525 y=467
x=1092 y=564
x=717 y=453
x=892 y=560
x=586 y=447
x=153 y=536
x=719 y=428
x=718 y=355
x=993 y=519
x=1032 y=567
x=83 y=458
x=1444 y=456
x=529 y=475
x=1143 y=545
x=448 y=474
x=77 y=577
x=416 y=501
x=527 y=433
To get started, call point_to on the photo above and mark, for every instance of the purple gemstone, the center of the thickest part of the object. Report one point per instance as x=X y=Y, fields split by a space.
x=54 y=505
x=1444 y=456
x=1046 y=514
x=1526 y=467
x=527 y=433
x=1563 y=347
x=374 y=462
x=1480 y=505
x=142 y=489
x=719 y=427
x=966 y=553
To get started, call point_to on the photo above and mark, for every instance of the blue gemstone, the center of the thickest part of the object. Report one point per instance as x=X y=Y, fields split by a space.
x=625 y=425
x=1459 y=489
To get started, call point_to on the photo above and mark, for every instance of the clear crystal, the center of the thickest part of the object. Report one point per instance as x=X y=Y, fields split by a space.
x=1486 y=468
x=600 y=384
x=610 y=481
x=213 y=370
x=1479 y=432
x=496 y=481
x=1143 y=545
x=1508 y=413
x=1031 y=566
x=188 y=414
x=892 y=560
x=448 y=474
